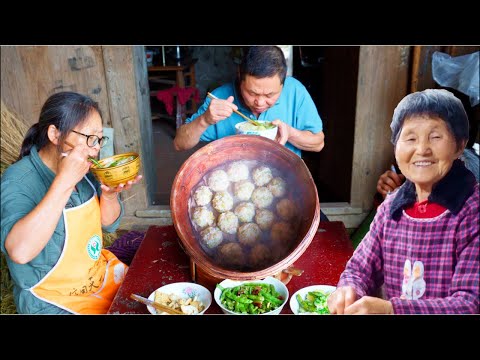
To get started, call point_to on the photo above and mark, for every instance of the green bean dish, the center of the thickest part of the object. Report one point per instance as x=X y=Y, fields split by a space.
x=251 y=298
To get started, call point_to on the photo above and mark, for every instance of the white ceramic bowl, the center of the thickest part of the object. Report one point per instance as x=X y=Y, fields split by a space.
x=328 y=289
x=279 y=287
x=185 y=290
x=246 y=128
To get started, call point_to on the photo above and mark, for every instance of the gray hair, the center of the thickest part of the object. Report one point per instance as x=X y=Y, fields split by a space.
x=432 y=103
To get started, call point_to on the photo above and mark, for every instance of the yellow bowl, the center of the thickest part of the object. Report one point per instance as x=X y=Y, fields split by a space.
x=115 y=175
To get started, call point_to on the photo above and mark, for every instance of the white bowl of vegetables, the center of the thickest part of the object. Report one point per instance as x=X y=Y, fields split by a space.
x=261 y=128
x=311 y=300
x=254 y=297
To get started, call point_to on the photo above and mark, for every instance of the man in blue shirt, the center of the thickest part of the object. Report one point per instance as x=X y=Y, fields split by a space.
x=262 y=92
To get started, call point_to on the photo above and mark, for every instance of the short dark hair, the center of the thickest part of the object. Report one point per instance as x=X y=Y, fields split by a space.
x=65 y=110
x=432 y=103
x=264 y=61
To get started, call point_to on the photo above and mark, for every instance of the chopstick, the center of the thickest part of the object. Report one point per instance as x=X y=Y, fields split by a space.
x=211 y=96
x=156 y=305
x=69 y=144
x=89 y=159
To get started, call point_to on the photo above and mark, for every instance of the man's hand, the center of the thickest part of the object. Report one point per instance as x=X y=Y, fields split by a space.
x=283 y=131
x=389 y=181
x=219 y=110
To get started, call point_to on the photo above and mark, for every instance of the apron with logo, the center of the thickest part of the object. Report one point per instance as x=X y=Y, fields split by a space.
x=86 y=277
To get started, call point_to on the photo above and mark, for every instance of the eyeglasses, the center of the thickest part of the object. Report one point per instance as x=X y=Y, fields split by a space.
x=93 y=140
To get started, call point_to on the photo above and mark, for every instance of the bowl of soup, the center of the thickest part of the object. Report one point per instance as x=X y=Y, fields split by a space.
x=117 y=169
x=265 y=129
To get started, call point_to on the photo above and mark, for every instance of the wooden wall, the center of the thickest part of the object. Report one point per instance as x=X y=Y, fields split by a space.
x=108 y=74
x=116 y=77
x=382 y=82
x=30 y=74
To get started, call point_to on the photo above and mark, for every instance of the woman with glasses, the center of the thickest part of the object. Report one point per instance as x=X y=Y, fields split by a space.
x=53 y=212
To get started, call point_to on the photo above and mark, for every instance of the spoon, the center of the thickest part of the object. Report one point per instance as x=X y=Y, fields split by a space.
x=156 y=305
x=293 y=271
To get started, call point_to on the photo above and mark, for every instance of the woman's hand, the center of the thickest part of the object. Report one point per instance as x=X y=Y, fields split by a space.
x=369 y=305
x=110 y=207
x=389 y=181
x=74 y=165
x=111 y=193
x=341 y=299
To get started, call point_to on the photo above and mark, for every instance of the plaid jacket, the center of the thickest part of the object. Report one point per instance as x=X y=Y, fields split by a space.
x=447 y=247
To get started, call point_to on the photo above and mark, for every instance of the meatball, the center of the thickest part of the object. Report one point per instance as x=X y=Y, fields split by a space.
x=228 y=222
x=249 y=234
x=259 y=255
x=222 y=201
x=203 y=195
x=282 y=234
x=277 y=187
x=245 y=212
x=278 y=252
x=286 y=209
x=243 y=190
x=232 y=254
x=212 y=236
x=262 y=197
x=237 y=171
x=203 y=217
x=262 y=175
x=264 y=218
x=218 y=180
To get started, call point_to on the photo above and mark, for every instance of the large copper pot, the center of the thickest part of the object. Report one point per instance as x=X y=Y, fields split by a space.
x=241 y=147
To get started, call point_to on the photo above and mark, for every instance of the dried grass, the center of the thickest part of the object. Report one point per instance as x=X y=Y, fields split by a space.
x=7 y=306
x=13 y=132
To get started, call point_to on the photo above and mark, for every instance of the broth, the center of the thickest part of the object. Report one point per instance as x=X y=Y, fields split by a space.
x=249 y=252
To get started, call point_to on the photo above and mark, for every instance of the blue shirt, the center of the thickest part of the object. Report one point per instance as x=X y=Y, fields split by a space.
x=294 y=107
x=24 y=184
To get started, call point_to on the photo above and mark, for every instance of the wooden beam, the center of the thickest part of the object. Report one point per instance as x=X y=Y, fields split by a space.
x=455 y=51
x=421 y=73
x=126 y=78
x=382 y=83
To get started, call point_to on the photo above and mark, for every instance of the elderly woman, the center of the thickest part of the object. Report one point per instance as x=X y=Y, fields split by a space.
x=54 y=211
x=423 y=244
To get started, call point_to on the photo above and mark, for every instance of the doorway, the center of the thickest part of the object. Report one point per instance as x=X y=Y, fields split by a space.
x=330 y=75
x=213 y=66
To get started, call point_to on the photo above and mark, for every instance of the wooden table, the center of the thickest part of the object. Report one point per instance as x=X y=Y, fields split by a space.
x=160 y=260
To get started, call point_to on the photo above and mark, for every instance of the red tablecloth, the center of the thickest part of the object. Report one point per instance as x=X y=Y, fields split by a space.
x=160 y=260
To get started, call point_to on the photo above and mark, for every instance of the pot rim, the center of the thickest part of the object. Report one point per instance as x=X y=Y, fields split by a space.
x=208 y=266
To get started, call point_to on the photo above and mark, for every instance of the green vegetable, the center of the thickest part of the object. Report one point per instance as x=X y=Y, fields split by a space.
x=315 y=302
x=95 y=162
x=250 y=298
x=116 y=162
